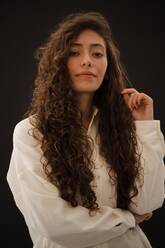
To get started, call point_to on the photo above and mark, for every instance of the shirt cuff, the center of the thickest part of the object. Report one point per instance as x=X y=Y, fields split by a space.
x=147 y=126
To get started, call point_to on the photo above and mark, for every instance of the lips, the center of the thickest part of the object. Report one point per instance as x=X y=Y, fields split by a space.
x=86 y=73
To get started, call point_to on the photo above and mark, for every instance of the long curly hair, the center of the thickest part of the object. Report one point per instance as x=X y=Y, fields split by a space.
x=67 y=149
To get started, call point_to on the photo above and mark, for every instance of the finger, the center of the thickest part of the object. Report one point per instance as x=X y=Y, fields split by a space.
x=131 y=100
x=144 y=98
x=139 y=99
x=126 y=98
x=149 y=216
x=129 y=91
x=135 y=102
x=142 y=218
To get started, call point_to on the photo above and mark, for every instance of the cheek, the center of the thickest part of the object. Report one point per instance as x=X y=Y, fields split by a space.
x=71 y=65
x=102 y=69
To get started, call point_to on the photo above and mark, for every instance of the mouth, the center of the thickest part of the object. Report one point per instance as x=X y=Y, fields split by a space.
x=86 y=74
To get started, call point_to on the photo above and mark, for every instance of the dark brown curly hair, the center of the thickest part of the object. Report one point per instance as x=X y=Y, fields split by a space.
x=67 y=149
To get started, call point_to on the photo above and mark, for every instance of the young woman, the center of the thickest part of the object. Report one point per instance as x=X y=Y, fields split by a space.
x=87 y=162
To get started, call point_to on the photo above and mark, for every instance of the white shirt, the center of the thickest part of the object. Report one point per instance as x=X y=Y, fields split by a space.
x=53 y=223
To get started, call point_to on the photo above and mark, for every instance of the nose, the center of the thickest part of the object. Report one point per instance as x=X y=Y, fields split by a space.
x=86 y=61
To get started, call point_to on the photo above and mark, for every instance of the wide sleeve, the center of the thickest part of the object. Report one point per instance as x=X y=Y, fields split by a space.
x=152 y=149
x=46 y=212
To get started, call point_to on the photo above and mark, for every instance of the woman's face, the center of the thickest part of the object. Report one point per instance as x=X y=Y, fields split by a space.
x=87 y=62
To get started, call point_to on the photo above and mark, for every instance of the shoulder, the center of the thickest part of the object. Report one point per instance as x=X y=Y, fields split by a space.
x=23 y=131
x=22 y=127
x=23 y=124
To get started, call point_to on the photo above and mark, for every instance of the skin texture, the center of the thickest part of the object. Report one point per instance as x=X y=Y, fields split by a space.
x=140 y=104
x=88 y=55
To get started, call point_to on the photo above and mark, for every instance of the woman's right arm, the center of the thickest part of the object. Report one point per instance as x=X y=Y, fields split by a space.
x=44 y=209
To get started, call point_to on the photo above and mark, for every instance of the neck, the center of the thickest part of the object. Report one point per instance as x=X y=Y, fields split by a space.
x=85 y=104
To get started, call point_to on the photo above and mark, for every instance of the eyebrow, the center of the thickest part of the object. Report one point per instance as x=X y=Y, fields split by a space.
x=92 y=45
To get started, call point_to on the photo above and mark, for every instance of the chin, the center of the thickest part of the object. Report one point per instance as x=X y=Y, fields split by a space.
x=85 y=90
x=90 y=88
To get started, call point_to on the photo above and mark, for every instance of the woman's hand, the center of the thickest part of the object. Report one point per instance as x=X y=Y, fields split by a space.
x=141 y=218
x=140 y=104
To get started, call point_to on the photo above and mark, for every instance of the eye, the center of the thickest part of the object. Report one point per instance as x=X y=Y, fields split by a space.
x=74 y=53
x=98 y=54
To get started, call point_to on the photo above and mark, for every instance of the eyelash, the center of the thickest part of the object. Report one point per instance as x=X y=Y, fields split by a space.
x=72 y=53
x=97 y=54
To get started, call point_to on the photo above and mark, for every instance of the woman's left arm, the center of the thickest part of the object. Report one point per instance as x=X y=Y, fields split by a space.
x=152 y=149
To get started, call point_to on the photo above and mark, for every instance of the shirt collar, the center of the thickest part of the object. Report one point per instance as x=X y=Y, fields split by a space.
x=95 y=111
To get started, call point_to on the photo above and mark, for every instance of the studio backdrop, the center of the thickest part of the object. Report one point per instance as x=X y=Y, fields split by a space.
x=138 y=29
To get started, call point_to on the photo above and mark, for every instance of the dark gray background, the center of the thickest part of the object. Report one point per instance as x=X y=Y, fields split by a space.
x=138 y=28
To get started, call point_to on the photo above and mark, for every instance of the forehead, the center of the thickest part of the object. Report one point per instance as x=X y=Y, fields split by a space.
x=89 y=37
